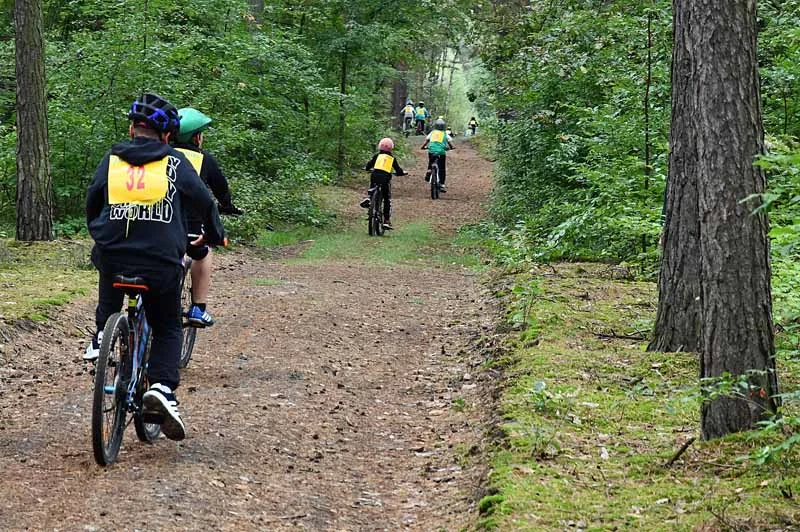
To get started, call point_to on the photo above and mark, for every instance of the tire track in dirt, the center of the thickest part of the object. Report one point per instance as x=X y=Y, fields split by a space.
x=324 y=401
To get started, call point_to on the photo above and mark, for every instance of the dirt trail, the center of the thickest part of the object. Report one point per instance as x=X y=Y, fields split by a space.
x=325 y=399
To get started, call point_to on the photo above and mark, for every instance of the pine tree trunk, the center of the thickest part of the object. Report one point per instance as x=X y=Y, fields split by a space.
x=678 y=316
x=716 y=133
x=34 y=187
x=340 y=155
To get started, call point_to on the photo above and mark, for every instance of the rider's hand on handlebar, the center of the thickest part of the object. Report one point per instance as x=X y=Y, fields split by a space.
x=200 y=240
x=230 y=209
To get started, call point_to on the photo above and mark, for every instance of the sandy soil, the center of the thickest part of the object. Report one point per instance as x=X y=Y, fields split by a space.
x=329 y=401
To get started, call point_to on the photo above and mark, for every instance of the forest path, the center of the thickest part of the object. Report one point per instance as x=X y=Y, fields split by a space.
x=327 y=397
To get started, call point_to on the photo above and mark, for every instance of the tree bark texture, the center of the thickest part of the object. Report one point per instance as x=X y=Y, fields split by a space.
x=34 y=186
x=716 y=251
x=340 y=155
x=677 y=325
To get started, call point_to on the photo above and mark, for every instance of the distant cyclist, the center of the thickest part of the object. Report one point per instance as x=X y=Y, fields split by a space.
x=438 y=142
x=136 y=208
x=473 y=125
x=408 y=115
x=421 y=114
x=189 y=142
x=382 y=165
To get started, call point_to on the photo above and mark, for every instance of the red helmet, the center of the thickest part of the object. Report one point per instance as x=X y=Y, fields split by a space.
x=386 y=144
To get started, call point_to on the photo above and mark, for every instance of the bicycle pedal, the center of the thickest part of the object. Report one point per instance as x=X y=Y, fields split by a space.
x=154 y=418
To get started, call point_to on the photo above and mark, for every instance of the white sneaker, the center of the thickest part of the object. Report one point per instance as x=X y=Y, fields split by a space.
x=159 y=404
x=93 y=349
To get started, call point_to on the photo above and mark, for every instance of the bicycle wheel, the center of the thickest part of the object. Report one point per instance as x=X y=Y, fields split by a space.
x=146 y=432
x=377 y=217
x=189 y=332
x=435 y=181
x=371 y=214
x=109 y=407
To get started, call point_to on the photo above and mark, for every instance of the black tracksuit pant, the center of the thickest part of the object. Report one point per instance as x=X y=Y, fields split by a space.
x=162 y=305
x=442 y=166
x=386 y=189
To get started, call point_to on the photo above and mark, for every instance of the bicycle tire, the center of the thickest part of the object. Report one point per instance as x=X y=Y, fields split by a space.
x=375 y=216
x=107 y=429
x=435 y=181
x=146 y=432
x=371 y=215
x=189 y=332
x=379 y=230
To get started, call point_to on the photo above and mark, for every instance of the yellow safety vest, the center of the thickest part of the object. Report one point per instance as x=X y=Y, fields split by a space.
x=140 y=185
x=195 y=157
x=384 y=162
x=437 y=136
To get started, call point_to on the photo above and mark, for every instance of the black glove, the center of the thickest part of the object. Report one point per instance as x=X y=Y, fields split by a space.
x=230 y=209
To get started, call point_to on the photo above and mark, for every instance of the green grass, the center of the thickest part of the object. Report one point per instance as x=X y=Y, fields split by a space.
x=590 y=421
x=410 y=244
x=36 y=278
x=262 y=281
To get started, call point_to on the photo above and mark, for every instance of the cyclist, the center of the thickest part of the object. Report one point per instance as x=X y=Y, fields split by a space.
x=408 y=115
x=473 y=125
x=135 y=211
x=438 y=142
x=382 y=165
x=189 y=141
x=421 y=114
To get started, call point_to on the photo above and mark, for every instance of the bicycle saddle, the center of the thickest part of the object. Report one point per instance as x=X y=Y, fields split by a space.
x=130 y=283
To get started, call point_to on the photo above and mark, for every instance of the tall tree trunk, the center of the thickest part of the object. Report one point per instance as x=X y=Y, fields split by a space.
x=735 y=266
x=648 y=165
x=34 y=186
x=340 y=162
x=678 y=316
x=716 y=133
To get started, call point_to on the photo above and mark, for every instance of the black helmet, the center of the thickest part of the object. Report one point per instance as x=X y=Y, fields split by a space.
x=156 y=112
x=439 y=124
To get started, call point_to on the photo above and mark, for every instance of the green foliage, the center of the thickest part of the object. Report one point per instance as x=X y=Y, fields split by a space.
x=570 y=81
x=273 y=82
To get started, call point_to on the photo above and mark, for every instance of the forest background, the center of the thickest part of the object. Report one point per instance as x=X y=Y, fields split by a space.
x=572 y=98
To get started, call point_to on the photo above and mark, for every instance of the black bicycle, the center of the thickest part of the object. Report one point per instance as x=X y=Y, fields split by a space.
x=436 y=185
x=189 y=330
x=375 y=212
x=120 y=378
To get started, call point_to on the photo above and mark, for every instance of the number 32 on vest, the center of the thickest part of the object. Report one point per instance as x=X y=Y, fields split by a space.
x=141 y=185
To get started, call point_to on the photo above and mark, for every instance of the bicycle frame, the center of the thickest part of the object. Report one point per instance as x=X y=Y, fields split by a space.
x=139 y=337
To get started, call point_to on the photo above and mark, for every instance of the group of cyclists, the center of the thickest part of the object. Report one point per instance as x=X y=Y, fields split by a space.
x=149 y=205
x=383 y=164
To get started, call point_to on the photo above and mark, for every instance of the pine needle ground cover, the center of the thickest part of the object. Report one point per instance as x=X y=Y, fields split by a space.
x=590 y=420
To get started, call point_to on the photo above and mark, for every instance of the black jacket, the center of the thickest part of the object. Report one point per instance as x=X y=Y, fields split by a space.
x=211 y=174
x=149 y=237
x=380 y=174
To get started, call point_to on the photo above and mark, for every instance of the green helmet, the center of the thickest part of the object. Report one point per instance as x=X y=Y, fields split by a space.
x=192 y=121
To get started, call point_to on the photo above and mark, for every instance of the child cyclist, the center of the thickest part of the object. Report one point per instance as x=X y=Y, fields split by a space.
x=438 y=142
x=382 y=165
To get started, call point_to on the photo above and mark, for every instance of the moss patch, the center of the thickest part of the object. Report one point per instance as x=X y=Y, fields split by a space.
x=591 y=418
x=37 y=277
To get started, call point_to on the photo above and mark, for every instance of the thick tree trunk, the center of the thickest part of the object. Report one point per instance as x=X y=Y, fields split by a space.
x=735 y=267
x=34 y=187
x=719 y=131
x=678 y=316
x=340 y=162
